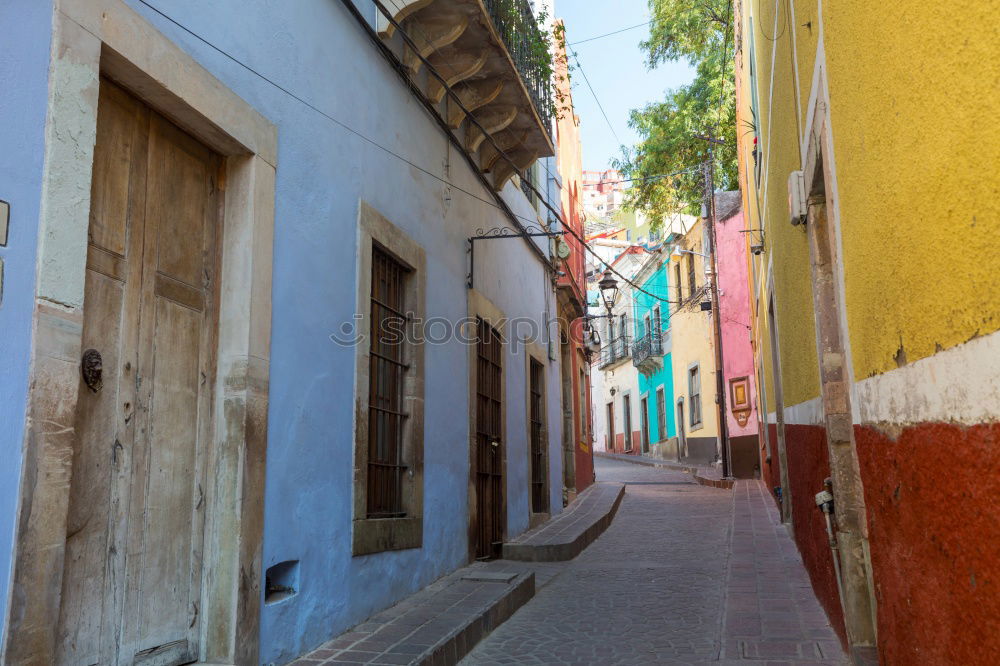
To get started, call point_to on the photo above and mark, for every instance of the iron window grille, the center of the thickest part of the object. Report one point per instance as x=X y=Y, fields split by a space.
x=387 y=373
x=539 y=496
x=489 y=452
x=691 y=276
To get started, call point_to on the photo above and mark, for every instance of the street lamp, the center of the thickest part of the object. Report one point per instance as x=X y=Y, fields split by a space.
x=609 y=289
x=679 y=252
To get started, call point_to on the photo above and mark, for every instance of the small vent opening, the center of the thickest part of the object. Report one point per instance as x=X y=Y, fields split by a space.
x=281 y=581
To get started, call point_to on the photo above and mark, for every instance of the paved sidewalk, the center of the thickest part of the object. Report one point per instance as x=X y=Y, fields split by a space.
x=706 y=475
x=686 y=574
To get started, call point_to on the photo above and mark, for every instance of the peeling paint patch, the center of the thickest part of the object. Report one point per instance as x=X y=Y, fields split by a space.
x=957 y=385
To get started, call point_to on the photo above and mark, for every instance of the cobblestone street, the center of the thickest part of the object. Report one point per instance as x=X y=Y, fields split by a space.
x=673 y=581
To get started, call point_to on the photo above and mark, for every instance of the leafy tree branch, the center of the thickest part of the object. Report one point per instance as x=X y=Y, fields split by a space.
x=699 y=32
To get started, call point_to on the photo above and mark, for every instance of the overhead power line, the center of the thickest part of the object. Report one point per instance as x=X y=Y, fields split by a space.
x=597 y=99
x=609 y=34
x=360 y=135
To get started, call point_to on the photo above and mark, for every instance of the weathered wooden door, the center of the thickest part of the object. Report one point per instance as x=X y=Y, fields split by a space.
x=131 y=589
x=489 y=454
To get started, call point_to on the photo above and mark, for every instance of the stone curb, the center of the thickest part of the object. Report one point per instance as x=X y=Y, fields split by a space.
x=463 y=639
x=724 y=484
x=560 y=552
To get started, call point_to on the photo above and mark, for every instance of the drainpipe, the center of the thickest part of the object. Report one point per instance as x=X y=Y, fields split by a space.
x=824 y=500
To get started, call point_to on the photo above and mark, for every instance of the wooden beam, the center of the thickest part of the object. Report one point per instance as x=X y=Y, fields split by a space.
x=473 y=95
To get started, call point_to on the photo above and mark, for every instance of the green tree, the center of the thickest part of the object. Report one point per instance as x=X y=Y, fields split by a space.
x=700 y=32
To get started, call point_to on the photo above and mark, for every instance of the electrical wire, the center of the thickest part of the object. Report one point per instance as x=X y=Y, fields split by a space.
x=784 y=25
x=609 y=34
x=409 y=162
x=597 y=99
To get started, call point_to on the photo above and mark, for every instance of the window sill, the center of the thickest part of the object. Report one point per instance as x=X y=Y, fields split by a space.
x=377 y=535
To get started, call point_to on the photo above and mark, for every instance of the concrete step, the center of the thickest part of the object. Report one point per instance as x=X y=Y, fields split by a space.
x=565 y=536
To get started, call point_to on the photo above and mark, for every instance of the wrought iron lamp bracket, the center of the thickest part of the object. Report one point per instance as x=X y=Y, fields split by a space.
x=497 y=233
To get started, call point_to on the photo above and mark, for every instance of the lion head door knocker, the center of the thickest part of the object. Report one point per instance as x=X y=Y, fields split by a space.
x=92 y=367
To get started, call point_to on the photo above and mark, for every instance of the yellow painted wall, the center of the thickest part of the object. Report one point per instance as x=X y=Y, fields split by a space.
x=919 y=201
x=917 y=147
x=691 y=342
x=786 y=247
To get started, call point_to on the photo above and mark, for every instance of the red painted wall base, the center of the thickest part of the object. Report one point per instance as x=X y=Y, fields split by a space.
x=933 y=497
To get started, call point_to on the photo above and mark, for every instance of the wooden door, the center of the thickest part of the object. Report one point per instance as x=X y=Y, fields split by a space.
x=627 y=421
x=682 y=443
x=610 y=408
x=132 y=575
x=644 y=424
x=488 y=523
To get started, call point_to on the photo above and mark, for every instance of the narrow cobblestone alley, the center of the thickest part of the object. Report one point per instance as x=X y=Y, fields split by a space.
x=686 y=574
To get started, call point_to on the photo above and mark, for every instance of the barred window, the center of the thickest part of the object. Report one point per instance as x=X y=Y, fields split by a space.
x=691 y=275
x=387 y=373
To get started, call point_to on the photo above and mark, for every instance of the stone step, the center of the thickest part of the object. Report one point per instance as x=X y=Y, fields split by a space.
x=565 y=536
x=438 y=625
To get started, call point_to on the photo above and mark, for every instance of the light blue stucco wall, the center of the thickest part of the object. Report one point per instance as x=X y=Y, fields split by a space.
x=658 y=284
x=316 y=50
x=24 y=64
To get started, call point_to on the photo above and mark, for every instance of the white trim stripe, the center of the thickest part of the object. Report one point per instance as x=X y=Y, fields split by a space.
x=958 y=385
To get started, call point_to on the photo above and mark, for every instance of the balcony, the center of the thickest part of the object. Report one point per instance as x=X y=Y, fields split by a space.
x=614 y=352
x=648 y=351
x=488 y=53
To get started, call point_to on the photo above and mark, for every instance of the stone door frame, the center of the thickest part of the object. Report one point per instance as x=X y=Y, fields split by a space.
x=833 y=350
x=92 y=38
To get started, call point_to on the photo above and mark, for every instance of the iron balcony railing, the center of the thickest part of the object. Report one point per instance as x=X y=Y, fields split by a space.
x=647 y=346
x=615 y=351
x=516 y=24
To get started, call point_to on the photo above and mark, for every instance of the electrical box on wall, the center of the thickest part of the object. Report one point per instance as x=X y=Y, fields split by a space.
x=797 y=198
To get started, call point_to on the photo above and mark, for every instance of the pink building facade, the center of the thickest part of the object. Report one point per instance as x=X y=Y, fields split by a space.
x=738 y=359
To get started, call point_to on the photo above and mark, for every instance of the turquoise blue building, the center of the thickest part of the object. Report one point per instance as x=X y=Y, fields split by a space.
x=651 y=355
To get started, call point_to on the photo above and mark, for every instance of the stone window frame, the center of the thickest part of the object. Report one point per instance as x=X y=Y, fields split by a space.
x=91 y=39
x=376 y=535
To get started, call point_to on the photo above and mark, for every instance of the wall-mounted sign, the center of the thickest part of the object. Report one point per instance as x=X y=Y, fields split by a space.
x=739 y=399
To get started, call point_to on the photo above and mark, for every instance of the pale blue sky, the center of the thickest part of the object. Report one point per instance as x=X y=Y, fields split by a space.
x=616 y=68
